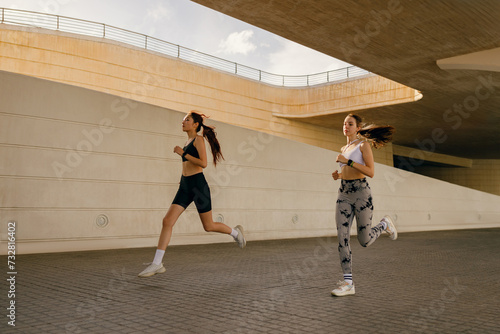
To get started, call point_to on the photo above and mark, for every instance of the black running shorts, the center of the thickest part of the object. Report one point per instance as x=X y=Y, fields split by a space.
x=194 y=188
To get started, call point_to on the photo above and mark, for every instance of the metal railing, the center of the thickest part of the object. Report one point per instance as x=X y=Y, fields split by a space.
x=101 y=30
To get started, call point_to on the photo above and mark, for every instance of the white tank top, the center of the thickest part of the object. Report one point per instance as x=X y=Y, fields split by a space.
x=354 y=155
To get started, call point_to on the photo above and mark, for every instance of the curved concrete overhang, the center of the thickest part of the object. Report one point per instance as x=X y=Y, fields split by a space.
x=154 y=78
x=353 y=95
x=401 y=41
x=487 y=60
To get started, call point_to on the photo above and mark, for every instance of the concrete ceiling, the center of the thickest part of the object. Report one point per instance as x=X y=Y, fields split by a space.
x=402 y=41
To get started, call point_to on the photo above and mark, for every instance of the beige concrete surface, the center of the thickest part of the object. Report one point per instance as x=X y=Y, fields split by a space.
x=70 y=155
x=431 y=156
x=130 y=72
x=403 y=41
x=483 y=175
x=486 y=60
x=272 y=287
x=445 y=49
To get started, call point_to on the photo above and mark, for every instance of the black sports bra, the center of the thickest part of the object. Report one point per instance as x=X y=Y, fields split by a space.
x=191 y=150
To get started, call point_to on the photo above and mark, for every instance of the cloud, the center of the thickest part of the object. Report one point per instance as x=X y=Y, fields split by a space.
x=193 y=26
x=158 y=12
x=295 y=59
x=237 y=42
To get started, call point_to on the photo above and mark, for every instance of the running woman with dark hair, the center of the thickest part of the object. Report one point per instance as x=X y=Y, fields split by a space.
x=354 y=198
x=193 y=187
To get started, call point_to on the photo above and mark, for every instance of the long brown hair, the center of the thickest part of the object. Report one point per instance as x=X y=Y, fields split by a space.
x=377 y=135
x=209 y=133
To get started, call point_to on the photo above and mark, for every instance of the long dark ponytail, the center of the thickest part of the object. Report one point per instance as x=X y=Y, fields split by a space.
x=210 y=134
x=377 y=135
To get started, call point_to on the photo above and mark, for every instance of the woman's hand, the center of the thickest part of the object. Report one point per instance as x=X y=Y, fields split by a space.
x=336 y=175
x=341 y=159
x=178 y=150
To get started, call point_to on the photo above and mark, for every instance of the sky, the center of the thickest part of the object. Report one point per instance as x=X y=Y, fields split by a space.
x=196 y=27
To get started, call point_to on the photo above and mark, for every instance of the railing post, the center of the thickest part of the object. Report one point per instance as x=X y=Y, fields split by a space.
x=294 y=80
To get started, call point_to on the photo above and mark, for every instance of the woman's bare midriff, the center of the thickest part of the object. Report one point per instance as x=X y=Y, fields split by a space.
x=349 y=173
x=188 y=168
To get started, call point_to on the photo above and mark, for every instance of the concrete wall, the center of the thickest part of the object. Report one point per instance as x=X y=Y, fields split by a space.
x=483 y=175
x=145 y=76
x=69 y=155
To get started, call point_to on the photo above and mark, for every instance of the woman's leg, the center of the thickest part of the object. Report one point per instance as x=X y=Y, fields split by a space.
x=343 y=217
x=364 y=214
x=203 y=202
x=169 y=221
x=210 y=226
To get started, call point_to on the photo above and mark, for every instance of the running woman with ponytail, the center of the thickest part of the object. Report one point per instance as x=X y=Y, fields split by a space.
x=354 y=198
x=193 y=187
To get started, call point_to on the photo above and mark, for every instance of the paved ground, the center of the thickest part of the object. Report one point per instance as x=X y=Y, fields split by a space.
x=431 y=282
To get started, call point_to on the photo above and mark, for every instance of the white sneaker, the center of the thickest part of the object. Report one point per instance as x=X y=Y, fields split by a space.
x=343 y=289
x=241 y=238
x=391 y=228
x=152 y=269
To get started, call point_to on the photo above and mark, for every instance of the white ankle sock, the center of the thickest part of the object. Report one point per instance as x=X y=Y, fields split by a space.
x=384 y=224
x=158 y=256
x=234 y=233
x=348 y=278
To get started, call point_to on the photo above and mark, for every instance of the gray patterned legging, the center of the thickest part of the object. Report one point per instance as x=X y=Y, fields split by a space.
x=354 y=200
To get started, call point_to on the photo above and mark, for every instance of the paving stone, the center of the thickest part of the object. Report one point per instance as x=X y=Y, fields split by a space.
x=423 y=282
